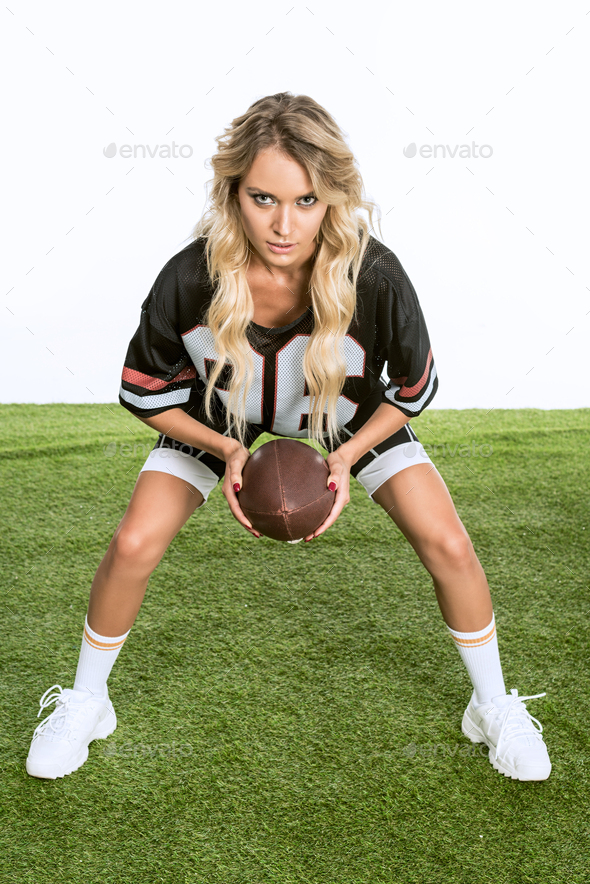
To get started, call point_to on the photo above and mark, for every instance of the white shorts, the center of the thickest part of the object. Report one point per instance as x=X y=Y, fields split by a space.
x=192 y=469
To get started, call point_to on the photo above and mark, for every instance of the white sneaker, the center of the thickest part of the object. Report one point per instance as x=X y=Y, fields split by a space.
x=505 y=725
x=60 y=742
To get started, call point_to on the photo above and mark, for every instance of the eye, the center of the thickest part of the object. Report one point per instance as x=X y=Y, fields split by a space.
x=265 y=196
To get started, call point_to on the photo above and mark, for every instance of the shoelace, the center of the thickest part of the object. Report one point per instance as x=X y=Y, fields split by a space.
x=62 y=707
x=517 y=719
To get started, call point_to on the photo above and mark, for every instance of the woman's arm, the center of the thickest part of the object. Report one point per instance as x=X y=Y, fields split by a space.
x=191 y=431
x=383 y=423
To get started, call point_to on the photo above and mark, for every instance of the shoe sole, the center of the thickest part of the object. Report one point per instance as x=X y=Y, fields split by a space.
x=474 y=733
x=103 y=730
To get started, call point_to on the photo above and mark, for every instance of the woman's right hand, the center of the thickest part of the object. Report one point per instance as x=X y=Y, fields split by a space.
x=234 y=464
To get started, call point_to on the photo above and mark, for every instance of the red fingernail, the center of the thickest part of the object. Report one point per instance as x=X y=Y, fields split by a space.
x=332 y=486
x=236 y=487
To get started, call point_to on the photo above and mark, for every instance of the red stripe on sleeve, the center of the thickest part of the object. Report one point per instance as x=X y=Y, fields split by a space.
x=149 y=383
x=411 y=391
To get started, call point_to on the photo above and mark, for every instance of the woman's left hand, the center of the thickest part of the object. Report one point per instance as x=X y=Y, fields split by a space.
x=340 y=476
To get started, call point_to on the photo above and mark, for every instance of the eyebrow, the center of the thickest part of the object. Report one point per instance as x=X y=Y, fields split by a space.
x=266 y=193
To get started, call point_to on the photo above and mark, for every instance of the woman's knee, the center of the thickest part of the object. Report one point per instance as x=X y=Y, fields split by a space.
x=450 y=550
x=131 y=545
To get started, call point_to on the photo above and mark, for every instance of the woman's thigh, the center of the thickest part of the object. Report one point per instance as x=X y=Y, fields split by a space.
x=419 y=502
x=417 y=499
x=399 y=475
x=160 y=505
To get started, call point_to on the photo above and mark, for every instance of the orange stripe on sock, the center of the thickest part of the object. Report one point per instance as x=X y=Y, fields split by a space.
x=101 y=646
x=476 y=642
x=476 y=646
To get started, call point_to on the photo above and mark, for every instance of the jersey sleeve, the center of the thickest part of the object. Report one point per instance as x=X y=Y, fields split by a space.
x=412 y=374
x=158 y=373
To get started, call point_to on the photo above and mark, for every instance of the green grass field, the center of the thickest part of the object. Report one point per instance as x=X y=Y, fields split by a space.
x=291 y=713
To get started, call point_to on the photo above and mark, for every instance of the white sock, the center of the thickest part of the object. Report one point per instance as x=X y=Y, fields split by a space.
x=479 y=652
x=97 y=656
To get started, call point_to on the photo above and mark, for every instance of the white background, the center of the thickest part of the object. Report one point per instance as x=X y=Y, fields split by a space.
x=497 y=248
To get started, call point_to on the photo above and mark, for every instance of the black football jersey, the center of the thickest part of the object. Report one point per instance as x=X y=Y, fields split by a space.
x=170 y=356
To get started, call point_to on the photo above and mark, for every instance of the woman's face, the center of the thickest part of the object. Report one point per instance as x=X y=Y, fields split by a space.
x=278 y=205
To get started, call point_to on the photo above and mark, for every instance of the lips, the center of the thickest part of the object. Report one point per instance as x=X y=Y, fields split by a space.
x=281 y=248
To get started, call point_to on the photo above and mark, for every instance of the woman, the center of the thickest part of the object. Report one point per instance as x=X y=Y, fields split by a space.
x=279 y=316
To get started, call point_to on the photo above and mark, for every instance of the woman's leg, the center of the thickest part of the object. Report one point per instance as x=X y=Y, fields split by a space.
x=160 y=505
x=419 y=503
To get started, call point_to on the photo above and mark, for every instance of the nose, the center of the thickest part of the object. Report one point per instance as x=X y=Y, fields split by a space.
x=282 y=223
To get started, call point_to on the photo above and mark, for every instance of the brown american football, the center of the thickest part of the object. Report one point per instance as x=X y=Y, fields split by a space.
x=284 y=489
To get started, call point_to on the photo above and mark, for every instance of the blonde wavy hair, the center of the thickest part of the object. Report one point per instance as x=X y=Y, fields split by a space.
x=300 y=128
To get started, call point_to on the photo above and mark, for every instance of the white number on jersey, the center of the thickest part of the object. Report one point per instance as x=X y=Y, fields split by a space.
x=291 y=405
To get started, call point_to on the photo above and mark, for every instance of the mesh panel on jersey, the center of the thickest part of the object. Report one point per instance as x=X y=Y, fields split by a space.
x=286 y=346
x=389 y=326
